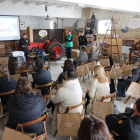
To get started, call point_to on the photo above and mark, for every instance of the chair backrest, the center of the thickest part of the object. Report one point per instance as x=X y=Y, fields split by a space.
x=108 y=69
x=52 y=53
x=102 y=57
x=19 y=126
x=120 y=65
x=46 y=67
x=16 y=76
x=44 y=85
x=73 y=107
x=112 y=96
x=22 y=71
x=63 y=80
x=82 y=63
x=59 y=86
x=129 y=63
x=6 y=93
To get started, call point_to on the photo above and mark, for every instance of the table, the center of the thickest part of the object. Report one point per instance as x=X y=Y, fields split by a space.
x=33 y=55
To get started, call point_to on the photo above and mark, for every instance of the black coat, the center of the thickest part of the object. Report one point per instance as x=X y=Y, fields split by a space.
x=22 y=42
x=83 y=40
x=24 y=109
x=127 y=126
x=40 y=78
x=6 y=86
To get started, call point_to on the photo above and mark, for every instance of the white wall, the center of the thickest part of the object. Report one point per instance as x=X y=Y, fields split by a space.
x=29 y=21
x=8 y=8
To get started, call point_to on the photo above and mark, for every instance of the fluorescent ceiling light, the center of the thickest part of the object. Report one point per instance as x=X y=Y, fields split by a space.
x=81 y=5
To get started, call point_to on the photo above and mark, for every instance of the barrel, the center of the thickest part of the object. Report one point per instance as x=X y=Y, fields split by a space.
x=16 y=64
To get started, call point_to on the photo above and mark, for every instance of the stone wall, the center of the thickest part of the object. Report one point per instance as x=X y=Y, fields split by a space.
x=121 y=19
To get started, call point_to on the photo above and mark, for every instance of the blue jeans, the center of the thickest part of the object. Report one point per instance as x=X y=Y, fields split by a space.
x=121 y=88
x=26 y=53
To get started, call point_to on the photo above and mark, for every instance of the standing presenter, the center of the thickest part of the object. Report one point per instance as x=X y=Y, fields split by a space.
x=69 y=44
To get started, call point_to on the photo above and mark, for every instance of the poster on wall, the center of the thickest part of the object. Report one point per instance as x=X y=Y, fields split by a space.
x=42 y=33
x=126 y=49
x=124 y=57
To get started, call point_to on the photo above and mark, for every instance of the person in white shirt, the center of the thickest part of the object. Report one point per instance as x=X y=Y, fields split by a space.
x=99 y=88
x=68 y=95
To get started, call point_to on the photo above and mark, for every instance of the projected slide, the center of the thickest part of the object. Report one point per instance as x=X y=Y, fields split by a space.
x=9 y=28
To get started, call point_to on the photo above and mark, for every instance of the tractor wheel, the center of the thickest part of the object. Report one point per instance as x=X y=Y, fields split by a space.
x=58 y=47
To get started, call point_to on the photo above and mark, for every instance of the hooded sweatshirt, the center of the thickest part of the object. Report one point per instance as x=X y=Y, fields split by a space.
x=23 y=109
x=69 y=95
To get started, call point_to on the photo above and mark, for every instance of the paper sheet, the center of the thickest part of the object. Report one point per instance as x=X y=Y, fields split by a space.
x=125 y=49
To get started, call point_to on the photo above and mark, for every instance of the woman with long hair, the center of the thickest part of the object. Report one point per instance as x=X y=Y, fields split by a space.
x=92 y=128
x=99 y=88
x=7 y=83
x=24 y=106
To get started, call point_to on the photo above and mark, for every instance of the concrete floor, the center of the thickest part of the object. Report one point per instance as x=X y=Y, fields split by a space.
x=55 y=71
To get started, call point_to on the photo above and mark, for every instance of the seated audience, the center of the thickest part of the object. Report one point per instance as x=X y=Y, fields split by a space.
x=126 y=81
x=93 y=54
x=25 y=106
x=81 y=58
x=67 y=65
x=7 y=83
x=41 y=76
x=92 y=128
x=68 y=95
x=99 y=88
x=125 y=126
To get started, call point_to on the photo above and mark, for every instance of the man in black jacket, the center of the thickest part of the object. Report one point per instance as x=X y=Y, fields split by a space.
x=41 y=76
x=125 y=126
x=82 y=39
x=24 y=44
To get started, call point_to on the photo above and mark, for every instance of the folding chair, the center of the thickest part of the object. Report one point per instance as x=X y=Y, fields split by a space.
x=16 y=77
x=23 y=71
x=63 y=80
x=52 y=54
x=112 y=96
x=83 y=63
x=44 y=132
x=2 y=107
x=73 y=107
x=47 y=96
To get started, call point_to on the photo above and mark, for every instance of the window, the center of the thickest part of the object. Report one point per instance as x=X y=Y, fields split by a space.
x=103 y=26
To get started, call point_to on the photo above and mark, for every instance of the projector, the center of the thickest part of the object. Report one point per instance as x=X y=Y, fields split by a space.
x=18 y=53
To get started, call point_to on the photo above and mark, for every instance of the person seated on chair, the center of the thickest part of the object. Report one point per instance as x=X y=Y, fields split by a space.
x=124 y=82
x=25 y=106
x=99 y=88
x=81 y=58
x=68 y=64
x=125 y=126
x=68 y=95
x=41 y=76
x=93 y=54
x=7 y=83
x=93 y=128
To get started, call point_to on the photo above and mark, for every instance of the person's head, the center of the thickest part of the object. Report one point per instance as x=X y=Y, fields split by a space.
x=136 y=107
x=138 y=62
x=99 y=74
x=4 y=72
x=24 y=87
x=68 y=64
x=95 y=37
x=69 y=32
x=83 y=49
x=71 y=74
x=39 y=65
x=24 y=35
x=93 y=49
x=81 y=33
x=92 y=128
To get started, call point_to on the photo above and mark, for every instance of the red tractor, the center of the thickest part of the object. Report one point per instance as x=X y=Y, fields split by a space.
x=48 y=45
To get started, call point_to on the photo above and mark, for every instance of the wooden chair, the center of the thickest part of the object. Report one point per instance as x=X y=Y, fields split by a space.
x=52 y=54
x=129 y=97
x=63 y=80
x=16 y=77
x=129 y=63
x=46 y=67
x=119 y=65
x=2 y=107
x=44 y=132
x=23 y=71
x=47 y=96
x=73 y=107
x=59 y=86
x=83 y=63
x=112 y=96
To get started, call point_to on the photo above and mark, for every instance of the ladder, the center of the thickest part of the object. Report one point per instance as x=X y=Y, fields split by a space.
x=107 y=45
